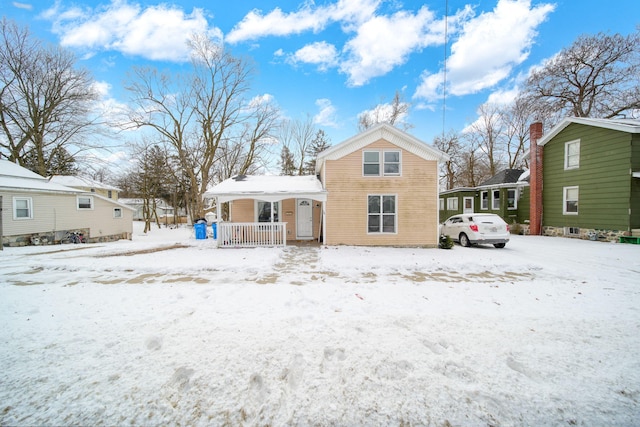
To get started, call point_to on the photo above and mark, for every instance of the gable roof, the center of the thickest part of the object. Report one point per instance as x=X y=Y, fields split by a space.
x=380 y=131
x=622 y=125
x=269 y=188
x=506 y=176
x=79 y=181
x=15 y=177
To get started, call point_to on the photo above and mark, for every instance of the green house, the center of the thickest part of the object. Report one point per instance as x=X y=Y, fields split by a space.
x=590 y=178
x=505 y=194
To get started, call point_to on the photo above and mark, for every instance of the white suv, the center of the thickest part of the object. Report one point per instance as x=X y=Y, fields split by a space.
x=477 y=228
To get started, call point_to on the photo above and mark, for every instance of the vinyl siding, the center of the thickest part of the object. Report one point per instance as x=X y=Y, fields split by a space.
x=635 y=182
x=603 y=178
x=416 y=194
x=58 y=212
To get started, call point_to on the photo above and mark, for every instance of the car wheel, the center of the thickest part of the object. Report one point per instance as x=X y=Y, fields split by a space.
x=499 y=245
x=464 y=240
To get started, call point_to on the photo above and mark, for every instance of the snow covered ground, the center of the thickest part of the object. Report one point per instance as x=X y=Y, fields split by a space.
x=168 y=330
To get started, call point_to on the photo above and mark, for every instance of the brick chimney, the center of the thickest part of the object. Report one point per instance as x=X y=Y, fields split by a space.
x=535 y=179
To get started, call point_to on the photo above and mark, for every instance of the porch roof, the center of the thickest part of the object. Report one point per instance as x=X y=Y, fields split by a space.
x=269 y=188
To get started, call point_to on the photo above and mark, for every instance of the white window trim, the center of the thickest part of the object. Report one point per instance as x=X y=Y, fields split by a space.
x=566 y=154
x=450 y=202
x=117 y=216
x=395 y=214
x=256 y=212
x=381 y=162
x=29 y=201
x=493 y=200
x=564 y=200
x=484 y=208
x=515 y=199
x=441 y=203
x=84 y=197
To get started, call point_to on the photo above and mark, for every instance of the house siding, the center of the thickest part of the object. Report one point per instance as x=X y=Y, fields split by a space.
x=603 y=179
x=416 y=192
x=635 y=182
x=243 y=210
x=58 y=213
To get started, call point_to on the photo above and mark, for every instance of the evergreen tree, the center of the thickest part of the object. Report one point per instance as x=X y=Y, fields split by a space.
x=319 y=143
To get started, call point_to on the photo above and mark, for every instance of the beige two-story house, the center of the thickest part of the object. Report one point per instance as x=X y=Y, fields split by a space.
x=378 y=188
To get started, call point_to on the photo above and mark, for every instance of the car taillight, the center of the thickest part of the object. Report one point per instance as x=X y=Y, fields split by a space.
x=508 y=229
x=473 y=227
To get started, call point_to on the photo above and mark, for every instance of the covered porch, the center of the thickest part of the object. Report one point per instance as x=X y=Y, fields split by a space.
x=268 y=211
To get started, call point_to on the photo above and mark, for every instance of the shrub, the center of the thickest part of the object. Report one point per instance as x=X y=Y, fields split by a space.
x=445 y=242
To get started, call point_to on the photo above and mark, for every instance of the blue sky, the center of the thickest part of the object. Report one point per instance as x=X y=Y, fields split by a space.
x=333 y=60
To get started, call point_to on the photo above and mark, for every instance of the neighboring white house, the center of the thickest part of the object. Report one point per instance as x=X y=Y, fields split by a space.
x=163 y=209
x=35 y=210
x=87 y=184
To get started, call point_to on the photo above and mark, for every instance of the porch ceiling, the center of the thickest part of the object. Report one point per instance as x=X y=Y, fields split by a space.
x=268 y=188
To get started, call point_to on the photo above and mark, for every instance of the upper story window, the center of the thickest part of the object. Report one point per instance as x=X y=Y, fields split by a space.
x=22 y=208
x=85 y=202
x=572 y=155
x=109 y=194
x=385 y=163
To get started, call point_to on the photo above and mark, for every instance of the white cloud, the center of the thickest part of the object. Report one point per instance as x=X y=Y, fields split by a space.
x=381 y=113
x=256 y=25
x=25 y=6
x=322 y=54
x=157 y=32
x=488 y=49
x=327 y=114
x=259 y=100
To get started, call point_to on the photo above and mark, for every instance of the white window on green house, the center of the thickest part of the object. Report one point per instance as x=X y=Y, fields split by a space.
x=570 y=200
x=452 y=204
x=484 y=200
x=85 y=202
x=117 y=212
x=381 y=214
x=22 y=208
x=441 y=200
x=512 y=199
x=572 y=155
x=495 y=200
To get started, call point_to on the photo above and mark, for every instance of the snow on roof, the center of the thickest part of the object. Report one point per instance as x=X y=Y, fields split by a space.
x=79 y=181
x=268 y=188
x=15 y=177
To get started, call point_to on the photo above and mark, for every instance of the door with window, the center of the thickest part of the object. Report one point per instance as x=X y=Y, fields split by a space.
x=304 y=219
x=467 y=205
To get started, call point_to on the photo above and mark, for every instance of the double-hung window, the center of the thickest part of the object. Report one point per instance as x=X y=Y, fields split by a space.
x=484 y=200
x=572 y=155
x=452 y=203
x=382 y=214
x=385 y=163
x=495 y=200
x=570 y=200
x=22 y=208
x=512 y=199
x=85 y=202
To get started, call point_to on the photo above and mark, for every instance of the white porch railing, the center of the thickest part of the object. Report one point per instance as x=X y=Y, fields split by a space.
x=251 y=234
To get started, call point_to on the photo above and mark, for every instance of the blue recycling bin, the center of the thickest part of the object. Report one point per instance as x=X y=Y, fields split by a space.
x=214 y=228
x=201 y=230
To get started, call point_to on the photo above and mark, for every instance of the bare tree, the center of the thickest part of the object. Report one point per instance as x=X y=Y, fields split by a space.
x=297 y=136
x=597 y=76
x=203 y=116
x=516 y=118
x=486 y=135
x=449 y=144
x=44 y=102
x=393 y=113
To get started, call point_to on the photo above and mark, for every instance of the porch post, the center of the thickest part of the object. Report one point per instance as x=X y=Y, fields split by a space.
x=218 y=220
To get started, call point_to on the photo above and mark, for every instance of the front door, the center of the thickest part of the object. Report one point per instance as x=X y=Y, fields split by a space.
x=304 y=219
x=467 y=205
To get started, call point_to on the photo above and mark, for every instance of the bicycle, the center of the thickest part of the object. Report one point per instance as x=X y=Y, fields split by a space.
x=74 y=237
